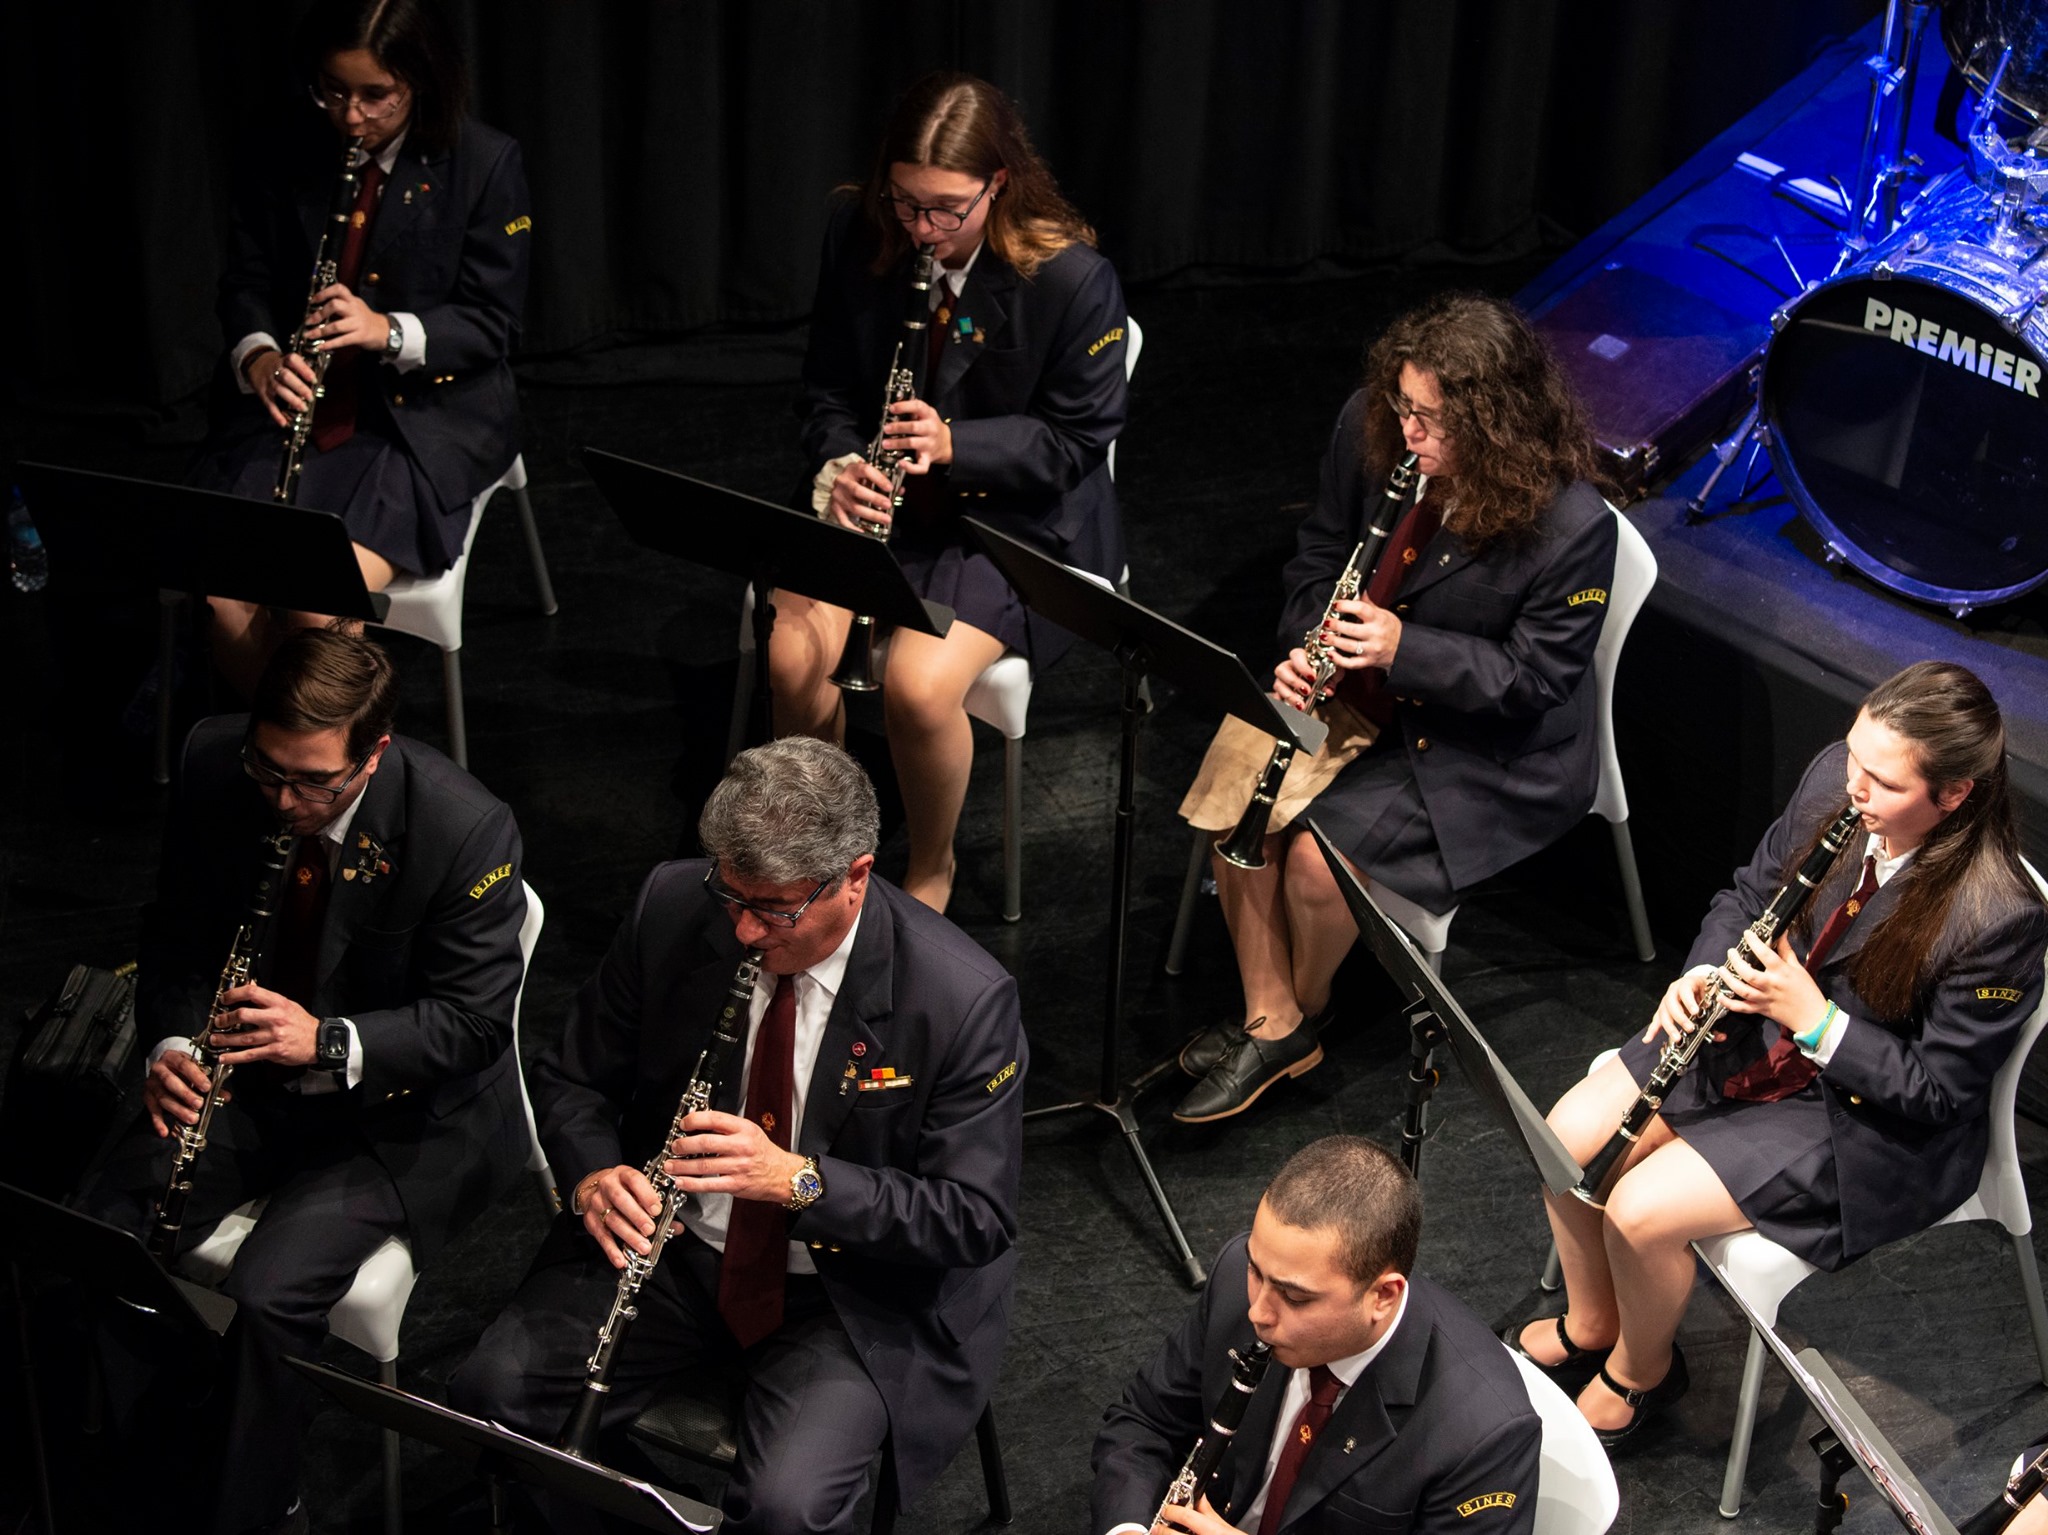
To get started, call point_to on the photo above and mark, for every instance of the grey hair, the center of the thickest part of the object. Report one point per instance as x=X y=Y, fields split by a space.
x=794 y=811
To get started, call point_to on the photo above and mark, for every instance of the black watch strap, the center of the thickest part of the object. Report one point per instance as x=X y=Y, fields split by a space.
x=331 y=1045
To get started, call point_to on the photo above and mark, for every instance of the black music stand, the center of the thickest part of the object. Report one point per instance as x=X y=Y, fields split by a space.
x=1434 y=1018
x=1847 y=1438
x=107 y=533
x=1206 y=674
x=496 y=1452
x=110 y=1266
x=771 y=546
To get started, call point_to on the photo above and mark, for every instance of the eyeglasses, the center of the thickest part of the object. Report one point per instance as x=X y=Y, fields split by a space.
x=1432 y=420
x=738 y=902
x=268 y=777
x=376 y=103
x=945 y=220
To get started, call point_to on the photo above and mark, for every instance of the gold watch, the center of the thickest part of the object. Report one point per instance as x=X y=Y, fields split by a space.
x=805 y=1185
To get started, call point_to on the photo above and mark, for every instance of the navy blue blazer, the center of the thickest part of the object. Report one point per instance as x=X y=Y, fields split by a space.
x=1437 y=1434
x=915 y=1237
x=1034 y=392
x=1906 y=1097
x=1493 y=679
x=423 y=958
x=451 y=243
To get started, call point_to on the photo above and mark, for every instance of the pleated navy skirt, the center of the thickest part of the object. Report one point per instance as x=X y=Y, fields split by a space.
x=1374 y=814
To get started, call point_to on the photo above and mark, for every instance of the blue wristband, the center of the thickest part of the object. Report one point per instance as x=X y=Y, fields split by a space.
x=1810 y=1040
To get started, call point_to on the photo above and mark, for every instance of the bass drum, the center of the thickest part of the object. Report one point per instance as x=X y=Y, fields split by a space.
x=1903 y=401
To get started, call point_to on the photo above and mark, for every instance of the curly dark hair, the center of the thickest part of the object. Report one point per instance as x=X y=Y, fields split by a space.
x=959 y=123
x=1514 y=424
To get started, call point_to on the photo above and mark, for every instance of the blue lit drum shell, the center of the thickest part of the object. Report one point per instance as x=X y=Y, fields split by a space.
x=1904 y=401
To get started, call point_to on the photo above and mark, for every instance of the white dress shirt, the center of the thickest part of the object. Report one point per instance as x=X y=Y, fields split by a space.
x=706 y=1215
x=412 y=350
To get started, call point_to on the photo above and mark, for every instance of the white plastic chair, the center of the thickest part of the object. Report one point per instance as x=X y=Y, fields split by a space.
x=369 y=1315
x=1764 y=1273
x=1000 y=696
x=1635 y=572
x=1575 y=1490
x=430 y=607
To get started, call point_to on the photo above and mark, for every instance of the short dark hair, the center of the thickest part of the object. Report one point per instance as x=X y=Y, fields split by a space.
x=324 y=679
x=1360 y=1190
x=408 y=37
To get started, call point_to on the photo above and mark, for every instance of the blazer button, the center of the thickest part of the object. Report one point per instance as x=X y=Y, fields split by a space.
x=1401 y=608
x=398 y=399
x=817 y=1247
x=1856 y=1099
x=371 y=278
x=1422 y=743
x=835 y=1247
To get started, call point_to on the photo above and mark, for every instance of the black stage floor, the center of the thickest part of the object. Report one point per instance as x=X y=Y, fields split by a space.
x=603 y=726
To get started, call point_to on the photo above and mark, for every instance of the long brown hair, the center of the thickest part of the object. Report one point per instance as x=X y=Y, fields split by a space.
x=958 y=123
x=1967 y=873
x=410 y=38
x=1515 y=428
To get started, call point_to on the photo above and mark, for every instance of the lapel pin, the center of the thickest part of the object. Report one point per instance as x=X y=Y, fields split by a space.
x=1443 y=559
x=1350 y=1445
x=860 y=1048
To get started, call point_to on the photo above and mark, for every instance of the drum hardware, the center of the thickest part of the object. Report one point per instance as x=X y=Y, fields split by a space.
x=1881 y=172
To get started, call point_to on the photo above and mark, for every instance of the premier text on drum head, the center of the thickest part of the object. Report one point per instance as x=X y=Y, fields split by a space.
x=1944 y=345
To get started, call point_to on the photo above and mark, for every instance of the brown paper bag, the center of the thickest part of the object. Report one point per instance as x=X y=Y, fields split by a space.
x=1235 y=759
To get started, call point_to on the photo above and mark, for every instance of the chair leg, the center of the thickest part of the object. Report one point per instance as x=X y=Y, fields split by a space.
x=1745 y=1426
x=1190 y=888
x=2030 y=1280
x=1553 y=1273
x=533 y=552
x=166 y=660
x=1632 y=890
x=1013 y=829
x=458 y=728
x=1436 y=962
x=394 y=1502
x=993 y=1477
x=742 y=701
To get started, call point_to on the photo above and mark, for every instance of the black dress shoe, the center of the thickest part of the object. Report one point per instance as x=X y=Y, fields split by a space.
x=1247 y=1069
x=1645 y=1404
x=1198 y=1057
x=1570 y=1374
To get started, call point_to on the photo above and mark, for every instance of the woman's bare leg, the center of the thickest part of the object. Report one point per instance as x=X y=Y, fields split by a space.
x=1255 y=910
x=931 y=741
x=809 y=637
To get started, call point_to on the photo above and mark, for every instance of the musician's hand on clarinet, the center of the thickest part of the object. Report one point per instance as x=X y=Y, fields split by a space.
x=283 y=383
x=1775 y=984
x=1680 y=1005
x=174 y=1089
x=1361 y=633
x=268 y=1026
x=860 y=497
x=914 y=427
x=1293 y=679
x=619 y=1206
x=730 y=1155
x=1202 y=1519
x=336 y=318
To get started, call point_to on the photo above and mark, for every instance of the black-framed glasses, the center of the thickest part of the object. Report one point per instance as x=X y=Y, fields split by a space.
x=738 y=902
x=945 y=220
x=1432 y=421
x=376 y=103
x=268 y=777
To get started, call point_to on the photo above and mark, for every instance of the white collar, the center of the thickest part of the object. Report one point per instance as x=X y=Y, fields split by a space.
x=388 y=155
x=1886 y=867
x=829 y=973
x=954 y=278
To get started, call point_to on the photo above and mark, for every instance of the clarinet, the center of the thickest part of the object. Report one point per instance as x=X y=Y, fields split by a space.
x=1188 y=1489
x=326 y=261
x=1994 y=1516
x=855 y=672
x=1597 y=1182
x=579 y=1434
x=1245 y=846
x=169 y=1217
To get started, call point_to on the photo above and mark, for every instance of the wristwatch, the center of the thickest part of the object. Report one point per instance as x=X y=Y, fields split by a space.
x=805 y=1185
x=394 y=341
x=330 y=1052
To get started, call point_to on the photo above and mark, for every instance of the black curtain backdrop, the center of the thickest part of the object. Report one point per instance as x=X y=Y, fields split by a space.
x=681 y=152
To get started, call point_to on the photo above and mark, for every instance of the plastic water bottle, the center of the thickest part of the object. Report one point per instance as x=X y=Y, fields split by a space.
x=27 y=561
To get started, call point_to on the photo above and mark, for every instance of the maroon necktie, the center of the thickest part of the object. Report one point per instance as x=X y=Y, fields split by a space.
x=1315 y=1412
x=299 y=917
x=1366 y=690
x=1784 y=1070
x=757 y=1233
x=334 y=418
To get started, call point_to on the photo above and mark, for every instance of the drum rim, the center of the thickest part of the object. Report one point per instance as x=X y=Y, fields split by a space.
x=1845 y=548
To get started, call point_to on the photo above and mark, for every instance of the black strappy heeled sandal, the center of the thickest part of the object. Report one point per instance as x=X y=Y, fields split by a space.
x=1571 y=1373
x=1647 y=1403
